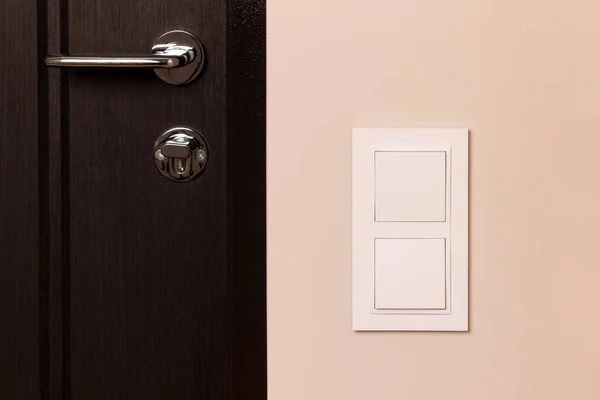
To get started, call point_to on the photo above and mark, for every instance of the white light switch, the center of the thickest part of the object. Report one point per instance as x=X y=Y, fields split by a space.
x=410 y=274
x=416 y=196
x=410 y=229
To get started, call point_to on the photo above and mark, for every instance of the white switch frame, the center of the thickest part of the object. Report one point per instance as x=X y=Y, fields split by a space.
x=454 y=230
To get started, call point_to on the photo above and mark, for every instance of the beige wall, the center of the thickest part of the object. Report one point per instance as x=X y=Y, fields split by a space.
x=524 y=77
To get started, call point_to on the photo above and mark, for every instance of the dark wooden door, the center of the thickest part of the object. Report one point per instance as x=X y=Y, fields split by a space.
x=115 y=282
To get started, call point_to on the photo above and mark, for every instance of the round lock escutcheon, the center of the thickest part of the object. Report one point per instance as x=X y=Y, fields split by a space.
x=181 y=154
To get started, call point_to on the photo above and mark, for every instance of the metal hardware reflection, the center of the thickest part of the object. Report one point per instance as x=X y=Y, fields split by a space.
x=177 y=58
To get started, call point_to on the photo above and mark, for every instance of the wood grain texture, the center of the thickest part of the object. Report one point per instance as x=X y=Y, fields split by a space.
x=166 y=281
x=58 y=207
x=246 y=139
x=116 y=283
x=19 y=234
x=148 y=259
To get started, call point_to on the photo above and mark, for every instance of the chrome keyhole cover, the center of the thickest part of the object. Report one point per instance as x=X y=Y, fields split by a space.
x=180 y=154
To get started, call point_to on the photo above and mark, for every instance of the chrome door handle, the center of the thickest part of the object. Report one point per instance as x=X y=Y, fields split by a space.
x=177 y=58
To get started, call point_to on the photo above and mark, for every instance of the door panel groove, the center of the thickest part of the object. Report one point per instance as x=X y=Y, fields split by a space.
x=43 y=209
x=58 y=205
x=65 y=272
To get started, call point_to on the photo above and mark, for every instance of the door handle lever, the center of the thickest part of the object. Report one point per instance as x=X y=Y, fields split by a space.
x=177 y=58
